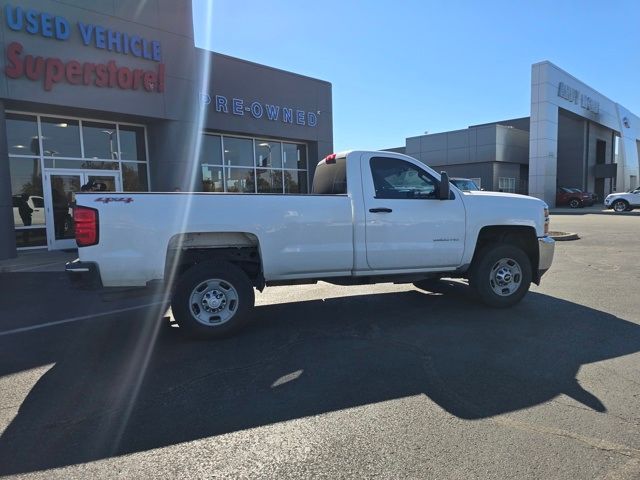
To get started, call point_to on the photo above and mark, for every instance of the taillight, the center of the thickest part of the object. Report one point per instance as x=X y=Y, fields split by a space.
x=86 y=223
x=329 y=159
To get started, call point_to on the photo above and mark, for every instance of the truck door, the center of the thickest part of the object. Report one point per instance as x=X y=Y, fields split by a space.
x=406 y=225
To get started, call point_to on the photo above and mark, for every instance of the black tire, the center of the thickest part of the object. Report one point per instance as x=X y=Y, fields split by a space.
x=428 y=284
x=224 y=279
x=620 y=206
x=575 y=203
x=486 y=267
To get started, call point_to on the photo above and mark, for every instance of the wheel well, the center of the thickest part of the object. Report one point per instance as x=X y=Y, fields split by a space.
x=240 y=249
x=522 y=237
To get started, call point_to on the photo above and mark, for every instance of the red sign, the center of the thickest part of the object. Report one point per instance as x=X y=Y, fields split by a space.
x=52 y=70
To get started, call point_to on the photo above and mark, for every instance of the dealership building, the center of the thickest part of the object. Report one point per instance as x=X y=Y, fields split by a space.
x=115 y=93
x=575 y=137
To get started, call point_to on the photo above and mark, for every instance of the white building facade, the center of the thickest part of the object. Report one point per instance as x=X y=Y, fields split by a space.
x=578 y=134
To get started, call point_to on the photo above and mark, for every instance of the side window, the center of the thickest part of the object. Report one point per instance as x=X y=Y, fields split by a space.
x=394 y=178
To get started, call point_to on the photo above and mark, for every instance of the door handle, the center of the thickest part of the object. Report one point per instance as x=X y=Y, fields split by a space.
x=380 y=210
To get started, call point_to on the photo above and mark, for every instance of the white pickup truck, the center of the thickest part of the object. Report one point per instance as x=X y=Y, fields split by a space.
x=372 y=217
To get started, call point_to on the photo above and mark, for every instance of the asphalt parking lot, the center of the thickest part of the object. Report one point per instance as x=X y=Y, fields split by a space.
x=379 y=381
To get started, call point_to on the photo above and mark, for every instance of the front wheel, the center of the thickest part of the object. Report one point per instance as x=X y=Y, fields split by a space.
x=212 y=299
x=620 y=206
x=575 y=203
x=501 y=275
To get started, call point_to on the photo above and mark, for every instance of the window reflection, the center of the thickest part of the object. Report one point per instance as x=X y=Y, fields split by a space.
x=238 y=152
x=31 y=237
x=211 y=150
x=100 y=140
x=269 y=181
x=134 y=177
x=26 y=192
x=240 y=180
x=268 y=154
x=212 y=179
x=22 y=134
x=132 y=143
x=294 y=156
x=60 y=137
x=295 y=182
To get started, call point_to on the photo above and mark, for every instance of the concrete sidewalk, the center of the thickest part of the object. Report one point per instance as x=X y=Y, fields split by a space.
x=38 y=261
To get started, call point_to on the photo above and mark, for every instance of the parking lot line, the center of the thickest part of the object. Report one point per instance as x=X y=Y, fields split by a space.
x=75 y=319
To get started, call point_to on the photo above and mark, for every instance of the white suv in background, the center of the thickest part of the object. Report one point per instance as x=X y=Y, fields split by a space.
x=624 y=201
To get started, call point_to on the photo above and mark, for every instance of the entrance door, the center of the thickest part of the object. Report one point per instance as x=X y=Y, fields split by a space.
x=60 y=198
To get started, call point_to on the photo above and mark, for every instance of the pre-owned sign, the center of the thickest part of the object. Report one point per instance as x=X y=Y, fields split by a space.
x=52 y=70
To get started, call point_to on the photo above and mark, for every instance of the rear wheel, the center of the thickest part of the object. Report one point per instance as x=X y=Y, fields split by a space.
x=575 y=203
x=212 y=299
x=620 y=206
x=501 y=275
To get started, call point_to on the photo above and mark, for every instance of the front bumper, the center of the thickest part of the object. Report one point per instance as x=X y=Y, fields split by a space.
x=84 y=275
x=546 y=248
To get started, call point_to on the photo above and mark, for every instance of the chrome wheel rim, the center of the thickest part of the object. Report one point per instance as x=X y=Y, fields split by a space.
x=574 y=203
x=619 y=207
x=505 y=277
x=213 y=302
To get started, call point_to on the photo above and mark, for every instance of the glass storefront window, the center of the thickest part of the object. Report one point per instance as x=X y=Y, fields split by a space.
x=26 y=192
x=22 y=134
x=271 y=159
x=132 y=143
x=240 y=180
x=268 y=154
x=134 y=177
x=60 y=137
x=295 y=181
x=269 y=181
x=238 y=152
x=211 y=150
x=100 y=140
x=71 y=144
x=294 y=156
x=212 y=179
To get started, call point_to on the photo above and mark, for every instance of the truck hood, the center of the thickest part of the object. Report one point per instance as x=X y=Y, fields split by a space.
x=481 y=193
x=498 y=208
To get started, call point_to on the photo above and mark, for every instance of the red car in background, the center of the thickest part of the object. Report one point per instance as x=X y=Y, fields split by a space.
x=574 y=197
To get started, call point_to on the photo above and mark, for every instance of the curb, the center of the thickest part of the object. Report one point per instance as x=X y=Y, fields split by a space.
x=564 y=236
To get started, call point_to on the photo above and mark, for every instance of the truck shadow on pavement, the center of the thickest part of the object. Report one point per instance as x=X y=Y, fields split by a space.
x=125 y=385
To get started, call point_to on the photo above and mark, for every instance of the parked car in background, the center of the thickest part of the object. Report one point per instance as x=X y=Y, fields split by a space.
x=465 y=184
x=574 y=197
x=28 y=210
x=623 y=201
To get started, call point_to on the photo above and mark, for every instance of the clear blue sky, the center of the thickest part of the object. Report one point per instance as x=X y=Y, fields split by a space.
x=399 y=68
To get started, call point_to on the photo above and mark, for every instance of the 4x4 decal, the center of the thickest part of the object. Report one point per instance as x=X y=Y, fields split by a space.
x=114 y=199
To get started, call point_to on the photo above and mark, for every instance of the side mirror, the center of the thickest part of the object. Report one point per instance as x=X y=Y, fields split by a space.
x=443 y=192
